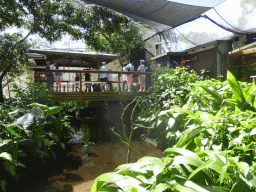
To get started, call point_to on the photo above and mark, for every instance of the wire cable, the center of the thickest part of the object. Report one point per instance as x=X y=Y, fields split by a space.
x=227 y=22
x=221 y=26
x=166 y=43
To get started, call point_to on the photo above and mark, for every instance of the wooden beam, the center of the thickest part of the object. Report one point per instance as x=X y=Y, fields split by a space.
x=95 y=96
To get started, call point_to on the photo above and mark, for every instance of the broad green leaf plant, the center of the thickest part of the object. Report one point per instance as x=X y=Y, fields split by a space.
x=213 y=146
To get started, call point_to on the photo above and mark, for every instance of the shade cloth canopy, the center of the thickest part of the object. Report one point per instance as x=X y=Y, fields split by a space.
x=159 y=15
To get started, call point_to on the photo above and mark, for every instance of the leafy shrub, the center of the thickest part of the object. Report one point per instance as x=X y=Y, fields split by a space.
x=214 y=150
x=181 y=170
x=170 y=88
x=33 y=93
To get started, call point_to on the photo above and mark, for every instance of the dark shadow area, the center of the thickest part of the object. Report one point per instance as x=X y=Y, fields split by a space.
x=69 y=177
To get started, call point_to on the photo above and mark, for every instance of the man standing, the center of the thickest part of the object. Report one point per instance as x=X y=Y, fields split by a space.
x=49 y=75
x=110 y=79
x=103 y=76
x=124 y=76
x=142 y=76
x=130 y=68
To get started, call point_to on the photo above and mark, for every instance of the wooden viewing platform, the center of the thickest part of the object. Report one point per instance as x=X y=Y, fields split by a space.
x=89 y=63
x=68 y=88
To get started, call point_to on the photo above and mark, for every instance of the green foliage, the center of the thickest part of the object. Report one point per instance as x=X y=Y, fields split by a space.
x=248 y=8
x=181 y=170
x=108 y=31
x=12 y=61
x=214 y=150
x=170 y=87
x=31 y=134
x=48 y=19
x=35 y=137
x=33 y=92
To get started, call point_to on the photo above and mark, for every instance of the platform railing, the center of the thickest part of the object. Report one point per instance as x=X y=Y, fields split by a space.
x=70 y=85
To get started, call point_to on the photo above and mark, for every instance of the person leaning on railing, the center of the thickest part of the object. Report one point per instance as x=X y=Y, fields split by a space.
x=110 y=79
x=103 y=76
x=77 y=79
x=130 y=68
x=87 y=77
x=142 y=76
x=49 y=75
x=124 y=76
x=58 y=80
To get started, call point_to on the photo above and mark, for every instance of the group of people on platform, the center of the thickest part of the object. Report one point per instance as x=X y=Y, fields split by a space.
x=104 y=77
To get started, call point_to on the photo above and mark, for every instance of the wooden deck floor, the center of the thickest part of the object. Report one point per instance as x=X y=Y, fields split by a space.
x=95 y=96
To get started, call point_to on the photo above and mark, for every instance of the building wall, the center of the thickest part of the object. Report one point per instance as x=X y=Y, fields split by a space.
x=223 y=49
x=205 y=59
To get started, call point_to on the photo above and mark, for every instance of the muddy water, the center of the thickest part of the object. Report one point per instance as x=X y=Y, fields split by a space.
x=107 y=156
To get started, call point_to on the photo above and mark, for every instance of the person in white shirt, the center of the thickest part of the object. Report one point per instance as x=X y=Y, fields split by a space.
x=142 y=76
x=103 y=76
x=110 y=79
x=124 y=76
x=49 y=75
x=130 y=68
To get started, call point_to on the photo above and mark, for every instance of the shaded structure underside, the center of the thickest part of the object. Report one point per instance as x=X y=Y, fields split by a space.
x=159 y=14
x=70 y=58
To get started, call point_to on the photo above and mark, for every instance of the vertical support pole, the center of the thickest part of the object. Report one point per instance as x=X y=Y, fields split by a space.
x=35 y=75
x=80 y=79
x=150 y=76
x=118 y=84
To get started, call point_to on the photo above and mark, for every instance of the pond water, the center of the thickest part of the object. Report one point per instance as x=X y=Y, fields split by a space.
x=106 y=157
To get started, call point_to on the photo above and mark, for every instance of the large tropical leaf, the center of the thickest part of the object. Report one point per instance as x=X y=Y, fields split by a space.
x=213 y=93
x=126 y=183
x=54 y=110
x=11 y=130
x=188 y=135
x=249 y=92
x=160 y=187
x=236 y=89
x=6 y=156
x=184 y=152
x=25 y=121
x=43 y=107
x=136 y=167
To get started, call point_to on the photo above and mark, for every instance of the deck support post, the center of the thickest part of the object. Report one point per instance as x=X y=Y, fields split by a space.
x=118 y=84
x=80 y=79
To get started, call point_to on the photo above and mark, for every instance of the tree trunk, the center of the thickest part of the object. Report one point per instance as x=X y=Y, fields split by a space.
x=1 y=93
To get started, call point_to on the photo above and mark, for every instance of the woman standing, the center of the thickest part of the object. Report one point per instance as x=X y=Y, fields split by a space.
x=58 y=80
x=49 y=75
x=77 y=80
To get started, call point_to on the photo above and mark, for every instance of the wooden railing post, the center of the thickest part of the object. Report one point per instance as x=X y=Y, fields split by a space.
x=80 y=79
x=118 y=84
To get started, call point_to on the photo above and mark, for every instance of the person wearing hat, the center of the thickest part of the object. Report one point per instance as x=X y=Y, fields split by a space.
x=142 y=76
x=103 y=76
x=130 y=68
x=49 y=75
